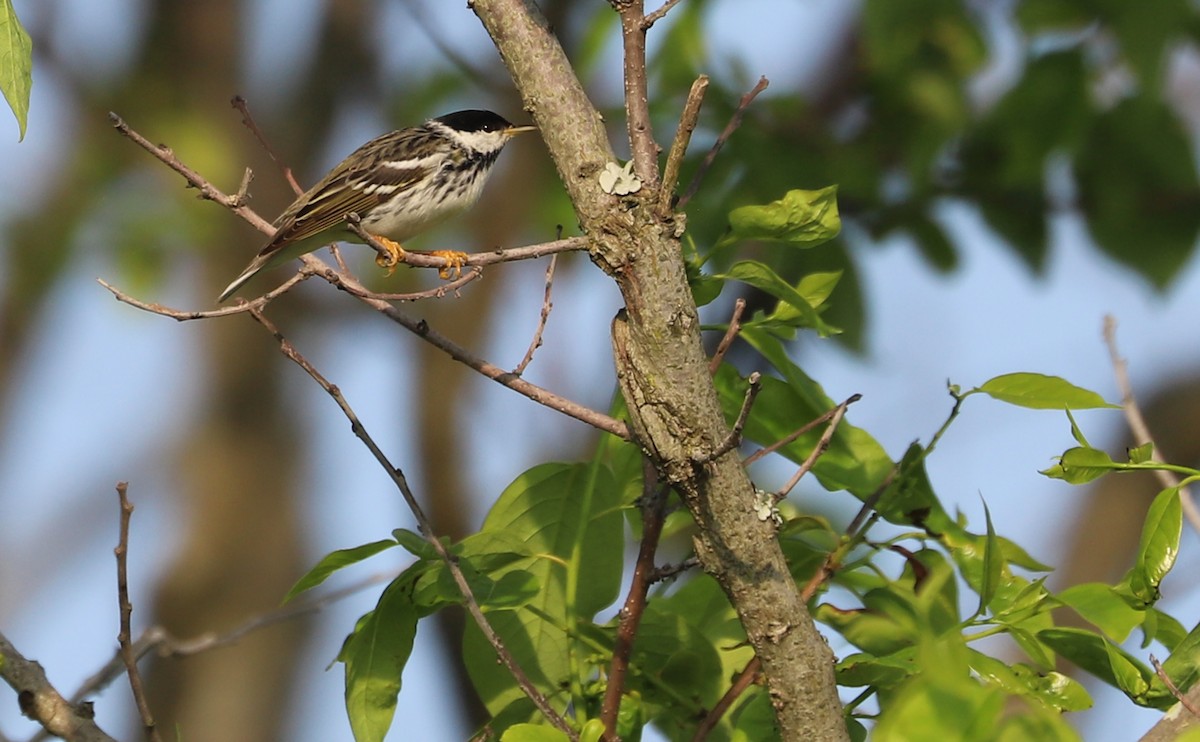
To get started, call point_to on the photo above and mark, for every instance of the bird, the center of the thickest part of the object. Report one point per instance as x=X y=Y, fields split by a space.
x=399 y=184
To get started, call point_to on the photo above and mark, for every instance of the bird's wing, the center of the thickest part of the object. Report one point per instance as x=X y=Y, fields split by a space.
x=370 y=175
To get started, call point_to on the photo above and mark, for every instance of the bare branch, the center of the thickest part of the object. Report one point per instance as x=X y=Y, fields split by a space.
x=185 y=315
x=156 y=639
x=401 y=482
x=653 y=501
x=40 y=701
x=799 y=431
x=744 y=680
x=735 y=325
x=656 y=16
x=547 y=305
x=679 y=145
x=734 y=122
x=820 y=448
x=1162 y=674
x=734 y=439
x=194 y=179
x=437 y=292
x=126 y=610
x=243 y=108
x=637 y=104
x=1137 y=423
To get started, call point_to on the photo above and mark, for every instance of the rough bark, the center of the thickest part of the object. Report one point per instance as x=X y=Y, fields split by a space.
x=664 y=376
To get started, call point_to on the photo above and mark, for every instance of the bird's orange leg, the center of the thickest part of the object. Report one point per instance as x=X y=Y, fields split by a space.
x=455 y=260
x=392 y=259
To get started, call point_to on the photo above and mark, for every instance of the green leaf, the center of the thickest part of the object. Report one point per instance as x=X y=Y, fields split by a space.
x=533 y=733
x=1141 y=454
x=1101 y=658
x=1159 y=546
x=761 y=277
x=1081 y=465
x=569 y=517
x=1041 y=392
x=1053 y=689
x=335 y=561
x=375 y=655
x=593 y=730
x=16 y=64
x=993 y=565
x=804 y=218
x=1100 y=606
x=415 y=544
x=1183 y=666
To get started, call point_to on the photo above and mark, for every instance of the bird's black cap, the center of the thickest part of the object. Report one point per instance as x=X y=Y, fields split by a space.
x=474 y=120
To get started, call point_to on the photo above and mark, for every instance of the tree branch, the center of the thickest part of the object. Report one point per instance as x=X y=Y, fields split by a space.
x=734 y=122
x=1137 y=423
x=397 y=476
x=654 y=508
x=679 y=145
x=663 y=373
x=642 y=146
x=126 y=610
x=40 y=701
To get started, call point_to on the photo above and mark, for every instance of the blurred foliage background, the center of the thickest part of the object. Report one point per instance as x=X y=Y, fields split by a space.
x=1016 y=114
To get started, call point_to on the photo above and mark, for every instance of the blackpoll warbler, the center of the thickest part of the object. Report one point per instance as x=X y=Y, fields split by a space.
x=399 y=184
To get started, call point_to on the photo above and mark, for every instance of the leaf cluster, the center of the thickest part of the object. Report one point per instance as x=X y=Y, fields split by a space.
x=911 y=590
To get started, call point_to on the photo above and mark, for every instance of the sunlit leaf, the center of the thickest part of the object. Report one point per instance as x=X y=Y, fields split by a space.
x=1159 y=545
x=1041 y=392
x=333 y=562
x=375 y=656
x=1100 y=606
x=16 y=64
x=1080 y=465
x=803 y=218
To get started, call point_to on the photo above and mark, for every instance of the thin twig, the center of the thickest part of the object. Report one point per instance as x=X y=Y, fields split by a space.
x=126 y=610
x=654 y=500
x=490 y=257
x=243 y=192
x=158 y=640
x=547 y=305
x=1137 y=423
x=642 y=146
x=401 y=482
x=799 y=431
x=679 y=145
x=194 y=179
x=243 y=108
x=538 y=394
x=656 y=16
x=437 y=292
x=667 y=571
x=743 y=681
x=1162 y=674
x=734 y=122
x=185 y=315
x=734 y=439
x=822 y=445
x=735 y=326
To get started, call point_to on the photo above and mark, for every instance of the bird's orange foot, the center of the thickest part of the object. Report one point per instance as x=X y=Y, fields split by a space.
x=455 y=260
x=394 y=253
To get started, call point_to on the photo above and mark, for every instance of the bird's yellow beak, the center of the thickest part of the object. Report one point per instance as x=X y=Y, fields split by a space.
x=512 y=131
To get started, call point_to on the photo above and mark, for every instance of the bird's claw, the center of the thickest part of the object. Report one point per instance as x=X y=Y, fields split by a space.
x=455 y=260
x=392 y=258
